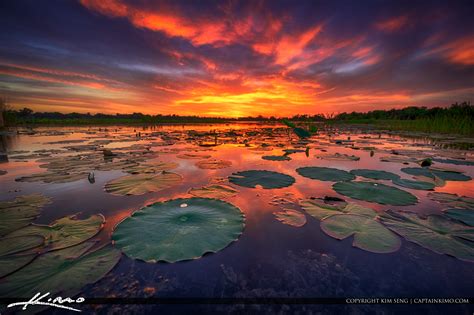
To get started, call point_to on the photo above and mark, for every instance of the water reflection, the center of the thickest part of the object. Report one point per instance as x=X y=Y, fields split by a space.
x=270 y=258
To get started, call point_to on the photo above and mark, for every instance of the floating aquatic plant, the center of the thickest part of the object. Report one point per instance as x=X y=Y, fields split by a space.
x=64 y=271
x=453 y=200
x=266 y=179
x=213 y=164
x=291 y=217
x=465 y=216
x=325 y=173
x=142 y=183
x=350 y=219
x=276 y=158
x=375 y=192
x=64 y=232
x=179 y=229
x=414 y=184
x=214 y=191
x=20 y=212
x=375 y=174
x=421 y=171
x=437 y=233
x=149 y=168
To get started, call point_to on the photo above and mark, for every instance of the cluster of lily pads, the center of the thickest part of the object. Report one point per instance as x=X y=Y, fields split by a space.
x=188 y=228
x=57 y=258
x=450 y=234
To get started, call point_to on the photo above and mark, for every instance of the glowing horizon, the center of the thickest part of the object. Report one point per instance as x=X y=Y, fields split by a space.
x=234 y=59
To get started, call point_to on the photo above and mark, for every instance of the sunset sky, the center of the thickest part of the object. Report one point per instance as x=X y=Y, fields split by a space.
x=235 y=58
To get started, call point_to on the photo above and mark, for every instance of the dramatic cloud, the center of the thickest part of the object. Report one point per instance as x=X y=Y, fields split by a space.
x=235 y=58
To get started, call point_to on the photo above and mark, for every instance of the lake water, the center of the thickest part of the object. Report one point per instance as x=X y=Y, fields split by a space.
x=270 y=258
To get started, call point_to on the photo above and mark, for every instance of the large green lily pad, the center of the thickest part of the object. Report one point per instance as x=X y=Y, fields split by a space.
x=368 y=233
x=63 y=272
x=421 y=171
x=266 y=179
x=414 y=184
x=179 y=229
x=213 y=191
x=375 y=192
x=464 y=215
x=20 y=212
x=436 y=232
x=375 y=174
x=343 y=220
x=65 y=232
x=142 y=183
x=325 y=173
x=291 y=217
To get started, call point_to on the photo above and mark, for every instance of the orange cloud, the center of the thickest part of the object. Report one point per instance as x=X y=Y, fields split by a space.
x=460 y=51
x=393 y=24
x=198 y=32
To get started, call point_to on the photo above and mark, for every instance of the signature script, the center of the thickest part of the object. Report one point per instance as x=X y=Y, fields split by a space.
x=58 y=302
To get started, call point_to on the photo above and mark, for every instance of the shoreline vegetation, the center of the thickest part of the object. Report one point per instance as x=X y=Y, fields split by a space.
x=455 y=119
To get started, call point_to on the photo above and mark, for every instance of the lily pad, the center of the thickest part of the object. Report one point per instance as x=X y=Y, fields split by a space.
x=214 y=191
x=466 y=216
x=322 y=210
x=325 y=173
x=375 y=174
x=213 y=164
x=398 y=159
x=65 y=232
x=338 y=157
x=276 y=158
x=142 y=183
x=266 y=179
x=12 y=263
x=60 y=272
x=452 y=200
x=20 y=212
x=420 y=171
x=436 y=232
x=179 y=229
x=414 y=184
x=151 y=168
x=13 y=245
x=290 y=217
x=193 y=156
x=346 y=219
x=368 y=233
x=375 y=192
x=455 y=162
x=52 y=177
